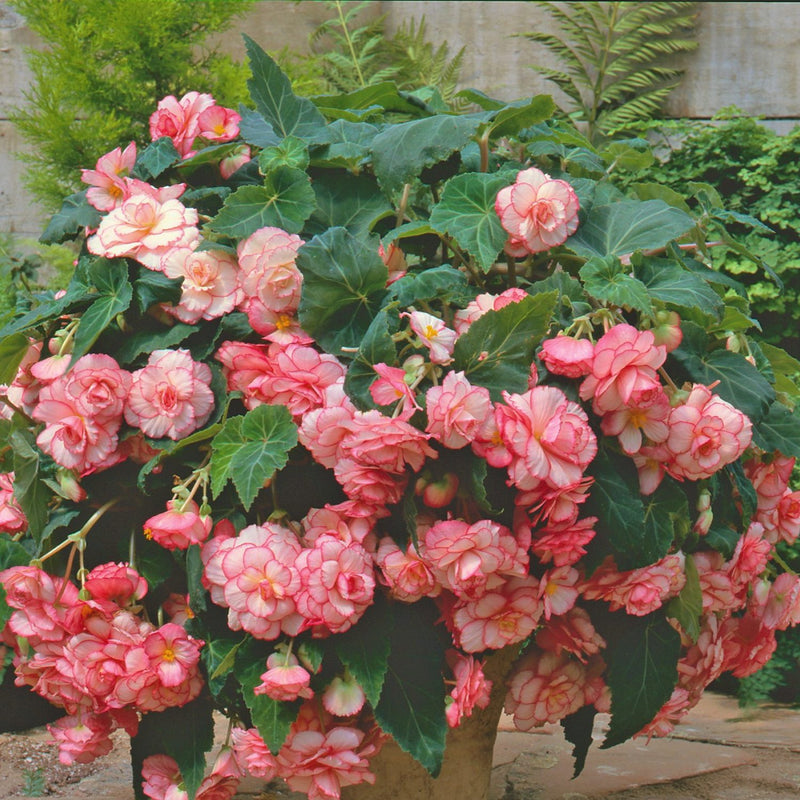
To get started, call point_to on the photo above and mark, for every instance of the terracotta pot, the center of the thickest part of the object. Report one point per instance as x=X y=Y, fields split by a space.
x=467 y=766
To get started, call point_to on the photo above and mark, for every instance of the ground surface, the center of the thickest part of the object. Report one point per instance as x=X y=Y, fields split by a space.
x=719 y=753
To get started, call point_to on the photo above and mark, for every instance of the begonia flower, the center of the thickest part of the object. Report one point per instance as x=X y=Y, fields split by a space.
x=537 y=212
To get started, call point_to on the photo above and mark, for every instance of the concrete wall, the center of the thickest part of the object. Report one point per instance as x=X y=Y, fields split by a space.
x=747 y=57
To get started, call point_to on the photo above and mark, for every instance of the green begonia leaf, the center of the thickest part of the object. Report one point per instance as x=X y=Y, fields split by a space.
x=376 y=347
x=185 y=733
x=114 y=295
x=272 y=94
x=779 y=430
x=642 y=656
x=401 y=152
x=511 y=119
x=368 y=101
x=250 y=448
x=343 y=144
x=615 y=501
x=740 y=383
x=411 y=707
x=626 y=226
x=578 y=731
x=30 y=492
x=344 y=283
x=291 y=152
x=687 y=607
x=607 y=280
x=466 y=212
x=74 y=215
x=146 y=341
x=155 y=159
x=443 y=283
x=364 y=649
x=497 y=350
x=355 y=204
x=666 y=517
x=254 y=129
x=667 y=282
x=12 y=350
x=285 y=201
x=150 y=287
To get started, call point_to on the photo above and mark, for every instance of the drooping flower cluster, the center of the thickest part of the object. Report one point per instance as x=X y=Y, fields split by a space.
x=90 y=653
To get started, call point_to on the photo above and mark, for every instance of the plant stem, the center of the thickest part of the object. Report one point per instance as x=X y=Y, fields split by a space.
x=349 y=41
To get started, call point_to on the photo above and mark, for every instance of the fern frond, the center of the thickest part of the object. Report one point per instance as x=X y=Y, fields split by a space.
x=582 y=36
x=611 y=57
x=572 y=63
x=564 y=82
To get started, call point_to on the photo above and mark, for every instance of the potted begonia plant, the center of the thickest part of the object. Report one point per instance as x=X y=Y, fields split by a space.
x=361 y=420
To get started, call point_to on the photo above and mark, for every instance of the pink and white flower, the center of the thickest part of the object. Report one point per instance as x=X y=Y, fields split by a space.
x=210 y=287
x=171 y=396
x=537 y=212
x=146 y=225
x=456 y=410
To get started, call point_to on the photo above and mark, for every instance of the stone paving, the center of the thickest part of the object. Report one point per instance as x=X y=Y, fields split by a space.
x=720 y=752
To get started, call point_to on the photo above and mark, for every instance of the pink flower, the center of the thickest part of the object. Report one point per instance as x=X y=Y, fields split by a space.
x=625 y=361
x=172 y=653
x=296 y=376
x=548 y=435
x=391 y=387
x=270 y=280
x=106 y=179
x=563 y=543
x=218 y=124
x=162 y=778
x=406 y=573
x=434 y=334
x=639 y=591
x=572 y=632
x=74 y=440
x=564 y=355
x=179 y=120
x=320 y=764
x=557 y=591
x=179 y=527
x=705 y=434
x=210 y=286
x=285 y=679
x=147 y=224
x=375 y=440
x=170 y=396
x=469 y=559
x=545 y=687
x=471 y=688
x=322 y=430
x=748 y=644
x=83 y=738
x=118 y=583
x=505 y=615
x=337 y=583
x=12 y=518
x=537 y=212
x=252 y=754
x=646 y=412
x=456 y=410
x=255 y=575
